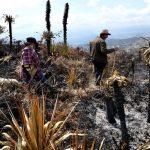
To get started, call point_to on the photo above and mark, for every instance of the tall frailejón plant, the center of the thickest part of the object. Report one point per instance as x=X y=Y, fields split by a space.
x=65 y=17
x=48 y=26
x=10 y=20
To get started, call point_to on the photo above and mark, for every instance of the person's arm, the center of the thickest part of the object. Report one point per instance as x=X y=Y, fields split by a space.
x=104 y=48
x=92 y=49
x=35 y=59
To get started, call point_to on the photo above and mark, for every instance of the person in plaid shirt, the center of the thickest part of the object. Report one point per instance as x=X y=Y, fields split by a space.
x=30 y=63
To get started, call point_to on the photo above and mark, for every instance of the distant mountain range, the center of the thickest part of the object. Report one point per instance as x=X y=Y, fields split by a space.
x=127 y=44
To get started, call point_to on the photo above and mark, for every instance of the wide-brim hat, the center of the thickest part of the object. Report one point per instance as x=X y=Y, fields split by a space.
x=105 y=31
x=31 y=40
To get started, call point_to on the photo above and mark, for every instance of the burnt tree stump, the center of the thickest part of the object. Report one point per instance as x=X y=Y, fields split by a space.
x=148 y=118
x=119 y=100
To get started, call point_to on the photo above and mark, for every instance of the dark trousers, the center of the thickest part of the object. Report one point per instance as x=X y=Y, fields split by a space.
x=98 y=70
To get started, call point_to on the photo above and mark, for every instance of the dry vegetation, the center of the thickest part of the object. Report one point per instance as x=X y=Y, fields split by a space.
x=68 y=112
x=80 y=104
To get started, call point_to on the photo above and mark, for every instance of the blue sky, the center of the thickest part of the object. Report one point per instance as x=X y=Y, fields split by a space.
x=123 y=18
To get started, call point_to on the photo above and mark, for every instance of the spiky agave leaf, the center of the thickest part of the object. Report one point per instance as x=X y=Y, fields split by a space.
x=40 y=123
x=36 y=120
x=93 y=145
x=19 y=132
x=51 y=130
x=25 y=133
x=21 y=144
x=9 y=138
x=56 y=126
x=84 y=144
x=57 y=132
x=65 y=136
x=34 y=133
x=48 y=126
x=7 y=143
x=54 y=110
x=5 y=148
x=9 y=121
x=101 y=145
x=29 y=128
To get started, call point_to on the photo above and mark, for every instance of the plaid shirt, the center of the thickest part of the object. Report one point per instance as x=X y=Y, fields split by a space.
x=30 y=57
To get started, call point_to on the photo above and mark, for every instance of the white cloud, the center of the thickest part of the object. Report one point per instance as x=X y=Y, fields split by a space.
x=119 y=14
x=15 y=4
x=93 y=3
x=91 y=15
x=28 y=15
x=147 y=1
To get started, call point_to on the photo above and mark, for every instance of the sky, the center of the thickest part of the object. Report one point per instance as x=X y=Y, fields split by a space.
x=86 y=18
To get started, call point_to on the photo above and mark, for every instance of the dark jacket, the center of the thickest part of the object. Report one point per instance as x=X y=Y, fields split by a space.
x=99 y=50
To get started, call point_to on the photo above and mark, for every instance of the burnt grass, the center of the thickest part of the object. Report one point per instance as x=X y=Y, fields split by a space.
x=90 y=114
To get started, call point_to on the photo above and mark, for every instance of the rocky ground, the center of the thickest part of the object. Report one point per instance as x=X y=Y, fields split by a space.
x=90 y=113
x=136 y=102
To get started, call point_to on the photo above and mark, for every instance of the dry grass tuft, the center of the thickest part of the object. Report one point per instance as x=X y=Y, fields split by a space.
x=34 y=133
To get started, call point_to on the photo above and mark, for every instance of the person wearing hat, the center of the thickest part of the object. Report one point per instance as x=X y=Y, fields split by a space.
x=30 y=63
x=99 y=53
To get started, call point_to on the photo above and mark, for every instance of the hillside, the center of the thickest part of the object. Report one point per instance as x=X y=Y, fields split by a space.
x=90 y=112
x=128 y=44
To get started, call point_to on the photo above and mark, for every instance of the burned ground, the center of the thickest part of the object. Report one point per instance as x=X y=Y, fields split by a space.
x=90 y=113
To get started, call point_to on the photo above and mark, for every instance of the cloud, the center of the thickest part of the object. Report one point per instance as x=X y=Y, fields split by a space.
x=89 y=16
x=120 y=14
x=93 y=3
x=15 y=4
x=28 y=15
x=147 y=1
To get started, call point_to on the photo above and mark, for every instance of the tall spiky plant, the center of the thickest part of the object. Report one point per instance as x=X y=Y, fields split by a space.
x=65 y=17
x=35 y=134
x=10 y=20
x=48 y=26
